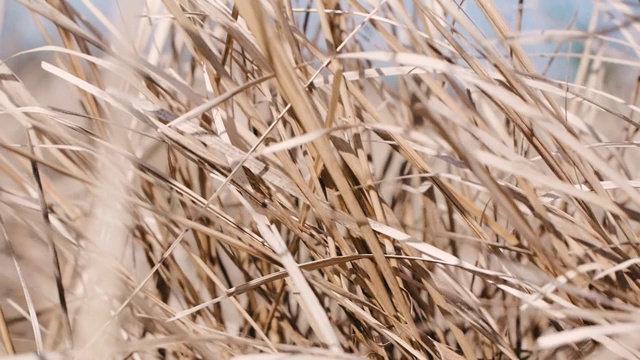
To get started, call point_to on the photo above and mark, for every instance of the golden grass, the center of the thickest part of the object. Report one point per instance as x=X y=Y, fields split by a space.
x=334 y=180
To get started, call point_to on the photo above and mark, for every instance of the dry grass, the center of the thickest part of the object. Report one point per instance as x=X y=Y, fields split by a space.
x=345 y=179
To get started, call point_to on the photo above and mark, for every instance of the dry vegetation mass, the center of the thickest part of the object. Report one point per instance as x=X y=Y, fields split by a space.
x=330 y=179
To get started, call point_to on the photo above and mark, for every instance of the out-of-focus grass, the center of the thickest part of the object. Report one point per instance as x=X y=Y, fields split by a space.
x=244 y=179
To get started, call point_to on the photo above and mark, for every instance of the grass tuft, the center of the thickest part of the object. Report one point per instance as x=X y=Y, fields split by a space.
x=319 y=179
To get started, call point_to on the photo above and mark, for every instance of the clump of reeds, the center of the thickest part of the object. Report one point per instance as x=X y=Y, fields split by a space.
x=329 y=179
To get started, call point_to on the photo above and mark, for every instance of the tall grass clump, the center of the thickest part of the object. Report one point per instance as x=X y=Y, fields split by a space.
x=320 y=179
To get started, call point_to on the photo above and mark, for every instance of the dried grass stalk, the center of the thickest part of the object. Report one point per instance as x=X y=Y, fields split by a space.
x=331 y=179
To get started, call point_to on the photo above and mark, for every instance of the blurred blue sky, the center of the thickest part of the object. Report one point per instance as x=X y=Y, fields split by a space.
x=19 y=31
x=538 y=14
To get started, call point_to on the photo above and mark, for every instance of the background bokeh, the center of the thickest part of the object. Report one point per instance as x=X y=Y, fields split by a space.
x=20 y=32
